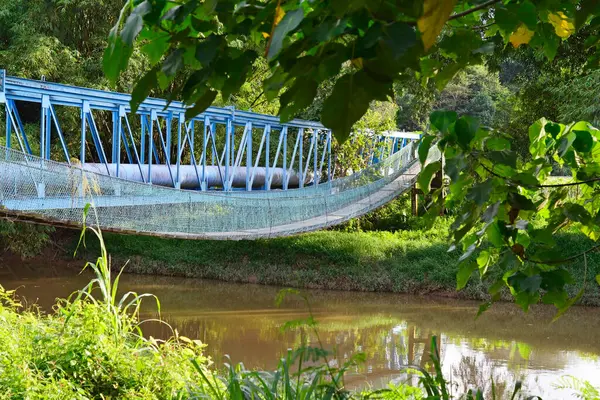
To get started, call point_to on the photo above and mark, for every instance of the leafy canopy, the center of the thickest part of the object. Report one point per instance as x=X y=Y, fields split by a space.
x=508 y=210
x=364 y=45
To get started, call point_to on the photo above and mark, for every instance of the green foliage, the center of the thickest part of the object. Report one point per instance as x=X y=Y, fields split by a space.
x=91 y=348
x=365 y=46
x=25 y=240
x=508 y=212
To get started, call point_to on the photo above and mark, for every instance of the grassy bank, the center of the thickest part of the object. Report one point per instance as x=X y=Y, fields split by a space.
x=414 y=261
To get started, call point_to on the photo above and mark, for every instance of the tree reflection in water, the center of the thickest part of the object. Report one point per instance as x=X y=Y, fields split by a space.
x=392 y=330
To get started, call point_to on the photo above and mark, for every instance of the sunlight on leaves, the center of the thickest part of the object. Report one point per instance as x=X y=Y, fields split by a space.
x=563 y=25
x=521 y=36
x=435 y=15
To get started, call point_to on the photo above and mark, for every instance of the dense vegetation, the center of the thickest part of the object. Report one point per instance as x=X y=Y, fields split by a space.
x=355 y=65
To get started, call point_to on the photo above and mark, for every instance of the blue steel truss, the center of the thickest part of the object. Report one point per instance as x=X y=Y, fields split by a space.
x=164 y=137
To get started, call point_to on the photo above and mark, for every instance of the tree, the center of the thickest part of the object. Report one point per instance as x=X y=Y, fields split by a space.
x=308 y=43
x=509 y=214
x=366 y=46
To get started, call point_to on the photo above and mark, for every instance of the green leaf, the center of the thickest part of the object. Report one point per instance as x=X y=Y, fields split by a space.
x=497 y=144
x=576 y=213
x=202 y=103
x=483 y=308
x=494 y=235
x=464 y=274
x=424 y=146
x=350 y=100
x=426 y=176
x=504 y=157
x=491 y=212
x=297 y=98
x=290 y=21
x=583 y=142
x=527 y=13
x=134 y=23
x=480 y=192
x=142 y=89
x=483 y=261
x=442 y=120
x=207 y=49
x=520 y=202
x=173 y=63
x=116 y=56
x=454 y=166
x=598 y=279
x=156 y=47
x=466 y=127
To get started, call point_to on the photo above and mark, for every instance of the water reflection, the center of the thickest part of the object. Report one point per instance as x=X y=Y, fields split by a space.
x=502 y=346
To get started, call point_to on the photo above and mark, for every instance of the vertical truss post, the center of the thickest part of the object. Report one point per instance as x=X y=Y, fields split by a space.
x=46 y=125
x=204 y=150
x=285 y=181
x=329 y=156
x=228 y=137
x=115 y=135
x=301 y=152
x=191 y=140
x=120 y=115
x=153 y=118
x=232 y=144
x=249 y=157
x=8 y=125
x=85 y=106
x=143 y=139
x=7 y=108
x=169 y=134
x=180 y=122
x=315 y=157
x=267 y=156
x=213 y=136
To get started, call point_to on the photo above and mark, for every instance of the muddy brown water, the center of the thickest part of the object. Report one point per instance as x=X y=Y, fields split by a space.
x=241 y=321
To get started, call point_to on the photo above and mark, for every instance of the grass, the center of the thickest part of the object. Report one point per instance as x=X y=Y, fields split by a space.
x=411 y=261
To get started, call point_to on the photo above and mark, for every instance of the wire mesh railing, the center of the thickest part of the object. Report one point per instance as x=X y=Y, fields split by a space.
x=58 y=193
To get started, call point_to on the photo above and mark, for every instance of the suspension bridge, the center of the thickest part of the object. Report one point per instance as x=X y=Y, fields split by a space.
x=223 y=174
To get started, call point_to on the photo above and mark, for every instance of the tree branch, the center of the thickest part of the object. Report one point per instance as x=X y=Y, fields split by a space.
x=474 y=9
x=564 y=260
x=570 y=183
x=556 y=185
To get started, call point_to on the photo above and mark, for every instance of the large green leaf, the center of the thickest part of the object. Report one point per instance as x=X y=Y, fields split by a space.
x=480 y=192
x=442 y=120
x=464 y=274
x=424 y=146
x=466 y=127
x=116 y=56
x=134 y=23
x=583 y=142
x=349 y=101
x=290 y=21
x=297 y=98
x=426 y=176
x=143 y=87
x=201 y=104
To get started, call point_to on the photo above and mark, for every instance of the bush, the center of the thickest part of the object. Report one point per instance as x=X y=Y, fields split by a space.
x=22 y=239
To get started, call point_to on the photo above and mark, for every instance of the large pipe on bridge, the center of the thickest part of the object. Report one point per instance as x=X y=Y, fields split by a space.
x=190 y=175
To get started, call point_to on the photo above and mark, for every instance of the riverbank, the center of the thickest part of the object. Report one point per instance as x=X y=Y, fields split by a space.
x=413 y=262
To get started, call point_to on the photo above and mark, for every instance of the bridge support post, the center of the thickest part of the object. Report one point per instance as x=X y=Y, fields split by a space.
x=45 y=128
x=285 y=172
x=41 y=190
x=414 y=200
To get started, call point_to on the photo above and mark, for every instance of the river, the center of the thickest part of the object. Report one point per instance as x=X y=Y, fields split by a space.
x=242 y=321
